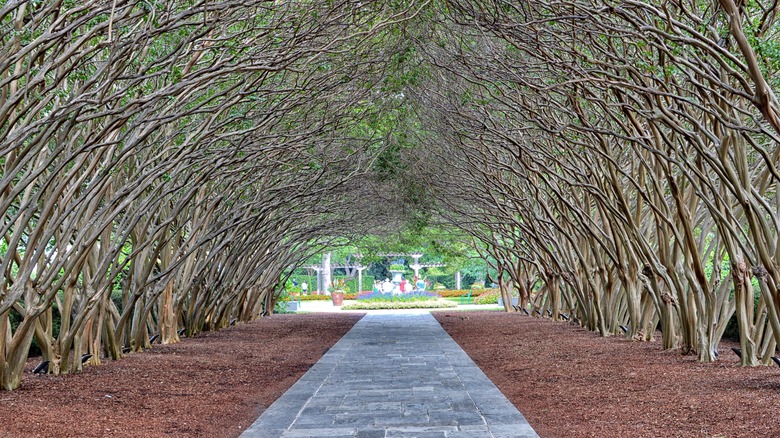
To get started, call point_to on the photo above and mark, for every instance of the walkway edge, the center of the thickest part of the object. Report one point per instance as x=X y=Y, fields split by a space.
x=339 y=396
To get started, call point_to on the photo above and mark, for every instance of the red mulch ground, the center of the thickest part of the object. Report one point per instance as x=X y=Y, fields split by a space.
x=569 y=382
x=213 y=385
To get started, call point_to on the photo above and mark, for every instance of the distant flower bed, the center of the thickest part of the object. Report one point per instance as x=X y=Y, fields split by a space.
x=489 y=297
x=377 y=305
x=323 y=297
x=314 y=297
x=461 y=292
x=368 y=296
x=376 y=297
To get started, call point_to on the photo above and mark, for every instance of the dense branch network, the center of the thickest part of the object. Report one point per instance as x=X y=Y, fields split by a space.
x=618 y=161
x=185 y=154
x=614 y=162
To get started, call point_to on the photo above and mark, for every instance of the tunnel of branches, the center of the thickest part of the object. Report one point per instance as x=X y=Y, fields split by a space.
x=617 y=158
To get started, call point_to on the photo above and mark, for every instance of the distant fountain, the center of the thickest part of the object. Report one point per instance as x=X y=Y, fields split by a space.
x=398 y=276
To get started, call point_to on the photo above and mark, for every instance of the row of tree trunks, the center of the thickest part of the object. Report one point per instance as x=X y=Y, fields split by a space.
x=165 y=164
x=627 y=155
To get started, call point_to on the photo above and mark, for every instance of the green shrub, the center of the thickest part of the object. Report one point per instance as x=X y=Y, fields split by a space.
x=490 y=297
x=396 y=267
x=732 y=329
x=281 y=308
x=352 y=283
x=35 y=349
x=284 y=296
x=116 y=297
x=464 y=292
x=448 y=281
x=15 y=319
x=399 y=305
x=311 y=282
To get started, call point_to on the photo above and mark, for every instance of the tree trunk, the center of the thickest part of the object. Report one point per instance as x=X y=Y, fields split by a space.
x=168 y=319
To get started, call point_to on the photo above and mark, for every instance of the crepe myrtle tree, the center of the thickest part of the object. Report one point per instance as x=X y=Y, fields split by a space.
x=617 y=163
x=628 y=171
x=151 y=144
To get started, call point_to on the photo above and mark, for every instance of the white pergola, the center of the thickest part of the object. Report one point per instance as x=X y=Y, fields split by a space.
x=359 y=268
x=416 y=266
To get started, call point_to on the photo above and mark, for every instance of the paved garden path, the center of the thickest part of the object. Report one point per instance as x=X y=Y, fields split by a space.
x=393 y=375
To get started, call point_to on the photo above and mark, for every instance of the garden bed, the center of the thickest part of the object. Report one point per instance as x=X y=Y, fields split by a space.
x=570 y=382
x=321 y=297
x=379 y=305
x=451 y=293
x=565 y=380
x=213 y=385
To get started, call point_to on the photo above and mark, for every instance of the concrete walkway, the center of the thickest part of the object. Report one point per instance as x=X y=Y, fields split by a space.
x=393 y=375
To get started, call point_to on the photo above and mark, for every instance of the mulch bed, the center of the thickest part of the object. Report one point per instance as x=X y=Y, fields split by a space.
x=213 y=385
x=569 y=382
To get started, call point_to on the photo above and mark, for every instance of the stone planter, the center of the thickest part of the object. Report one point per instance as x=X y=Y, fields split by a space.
x=398 y=276
x=501 y=301
x=292 y=306
x=337 y=298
